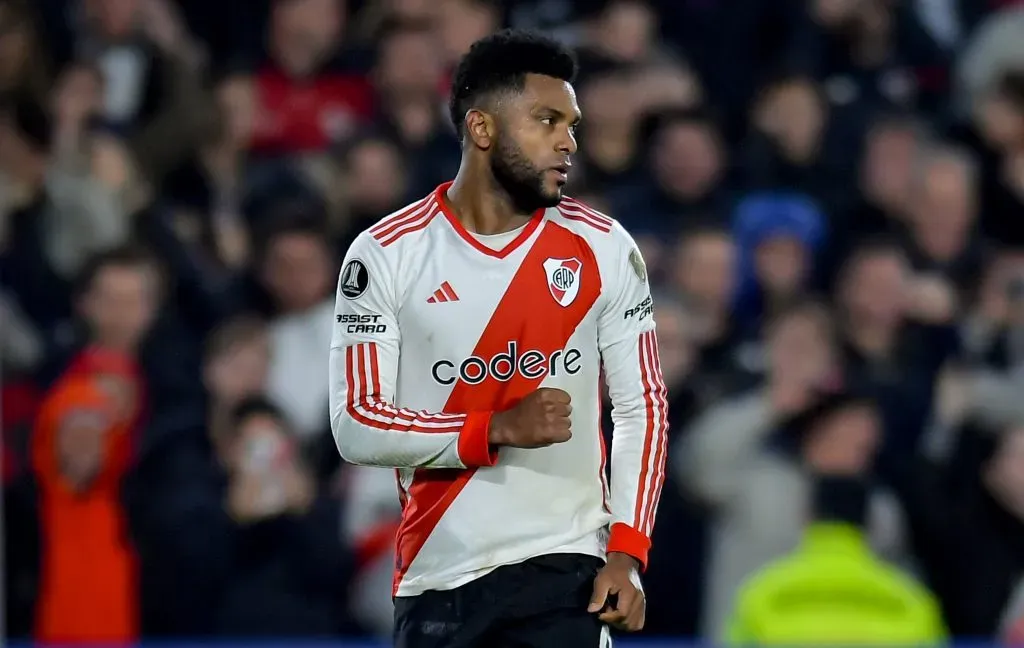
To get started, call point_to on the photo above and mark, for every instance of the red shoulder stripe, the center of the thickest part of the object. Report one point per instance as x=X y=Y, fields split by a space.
x=410 y=225
x=583 y=208
x=580 y=217
x=399 y=216
x=574 y=210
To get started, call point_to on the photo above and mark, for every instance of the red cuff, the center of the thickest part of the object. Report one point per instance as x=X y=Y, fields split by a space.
x=625 y=539
x=474 y=445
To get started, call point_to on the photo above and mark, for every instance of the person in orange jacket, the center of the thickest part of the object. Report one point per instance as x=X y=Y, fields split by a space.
x=81 y=449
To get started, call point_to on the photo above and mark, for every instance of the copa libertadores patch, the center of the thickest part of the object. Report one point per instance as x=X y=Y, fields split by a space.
x=354 y=279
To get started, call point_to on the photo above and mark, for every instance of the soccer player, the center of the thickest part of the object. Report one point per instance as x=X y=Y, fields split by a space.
x=472 y=328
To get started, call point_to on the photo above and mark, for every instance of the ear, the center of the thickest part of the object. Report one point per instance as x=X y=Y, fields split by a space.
x=481 y=129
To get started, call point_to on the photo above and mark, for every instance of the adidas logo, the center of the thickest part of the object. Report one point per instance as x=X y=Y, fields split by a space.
x=443 y=294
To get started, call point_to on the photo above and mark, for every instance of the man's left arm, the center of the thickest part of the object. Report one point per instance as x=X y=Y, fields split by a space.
x=629 y=354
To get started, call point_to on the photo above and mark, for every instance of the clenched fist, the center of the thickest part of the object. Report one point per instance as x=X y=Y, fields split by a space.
x=537 y=421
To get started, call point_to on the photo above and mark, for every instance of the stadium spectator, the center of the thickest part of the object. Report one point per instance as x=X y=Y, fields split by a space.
x=793 y=144
x=23 y=73
x=733 y=458
x=864 y=600
x=81 y=449
x=686 y=175
x=411 y=83
x=281 y=557
x=298 y=269
x=609 y=141
x=305 y=99
x=779 y=238
x=703 y=276
x=943 y=222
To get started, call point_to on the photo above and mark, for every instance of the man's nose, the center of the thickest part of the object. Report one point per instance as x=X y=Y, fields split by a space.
x=567 y=143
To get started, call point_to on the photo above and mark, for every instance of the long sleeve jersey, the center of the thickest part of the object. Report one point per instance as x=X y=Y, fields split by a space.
x=435 y=331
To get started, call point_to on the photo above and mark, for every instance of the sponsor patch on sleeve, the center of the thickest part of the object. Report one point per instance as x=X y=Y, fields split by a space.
x=355 y=279
x=637 y=262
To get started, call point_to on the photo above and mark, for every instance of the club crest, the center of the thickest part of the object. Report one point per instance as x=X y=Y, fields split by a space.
x=563 y=279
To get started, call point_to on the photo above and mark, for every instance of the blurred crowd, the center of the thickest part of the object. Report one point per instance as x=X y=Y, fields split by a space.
x=829 y=195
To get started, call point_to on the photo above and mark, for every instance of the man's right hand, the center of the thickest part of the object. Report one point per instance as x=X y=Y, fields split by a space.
x=540 y=419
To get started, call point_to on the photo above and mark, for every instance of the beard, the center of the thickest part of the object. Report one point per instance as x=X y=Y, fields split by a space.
x=520 y=179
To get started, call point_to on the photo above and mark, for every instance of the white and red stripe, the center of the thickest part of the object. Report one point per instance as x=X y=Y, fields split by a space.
x=397 y=217
x=366 y=405
x=574 y=210
x=661 y=401
x=652 y=470
x=412 y=219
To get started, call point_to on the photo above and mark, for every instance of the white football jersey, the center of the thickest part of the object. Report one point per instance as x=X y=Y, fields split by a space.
x=435 y=331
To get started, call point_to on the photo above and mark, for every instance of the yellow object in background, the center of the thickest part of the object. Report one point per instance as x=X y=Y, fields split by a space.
x=833 y=591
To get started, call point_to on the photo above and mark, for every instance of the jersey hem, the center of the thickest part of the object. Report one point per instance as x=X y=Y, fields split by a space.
x=589 y=546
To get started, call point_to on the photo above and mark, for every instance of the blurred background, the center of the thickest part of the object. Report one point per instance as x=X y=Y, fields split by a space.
x=829 y=195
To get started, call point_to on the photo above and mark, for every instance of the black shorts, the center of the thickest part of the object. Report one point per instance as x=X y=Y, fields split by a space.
x=538 y=603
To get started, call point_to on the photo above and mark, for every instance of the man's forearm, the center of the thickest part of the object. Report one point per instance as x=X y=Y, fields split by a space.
x=372 y=431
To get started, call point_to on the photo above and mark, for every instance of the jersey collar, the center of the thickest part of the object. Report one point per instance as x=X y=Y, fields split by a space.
x=441 y=197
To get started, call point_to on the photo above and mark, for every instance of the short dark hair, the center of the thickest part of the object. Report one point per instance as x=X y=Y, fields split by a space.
x=500 y=63
x=346 y=152
x=257 y=406
x=814 y=309
x=298 y=218
x=828 y=404
x=123 y=256
x=393 y=28
x=654 y=123
x=871 y=247
x=703 y=228
x=233 y=332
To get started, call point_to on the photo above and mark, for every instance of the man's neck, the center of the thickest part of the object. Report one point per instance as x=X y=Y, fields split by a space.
x=481 y=205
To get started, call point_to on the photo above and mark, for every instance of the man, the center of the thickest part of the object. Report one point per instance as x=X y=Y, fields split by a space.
x=297 y=269
x=471 y=331
x=82 y=446
x=285 y=583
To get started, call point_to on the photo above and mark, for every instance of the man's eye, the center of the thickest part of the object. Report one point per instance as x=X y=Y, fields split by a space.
x=547 y=120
